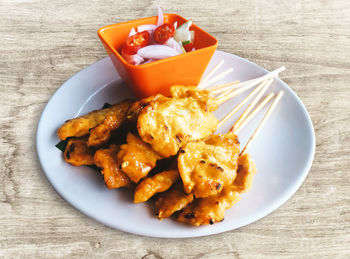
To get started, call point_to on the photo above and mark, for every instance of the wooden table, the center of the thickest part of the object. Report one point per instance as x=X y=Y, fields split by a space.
x=43 y=43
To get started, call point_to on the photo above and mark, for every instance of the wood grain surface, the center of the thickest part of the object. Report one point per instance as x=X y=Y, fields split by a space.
x=43 y=43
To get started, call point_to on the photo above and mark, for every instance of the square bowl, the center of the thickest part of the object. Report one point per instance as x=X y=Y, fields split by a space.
x=156 y=77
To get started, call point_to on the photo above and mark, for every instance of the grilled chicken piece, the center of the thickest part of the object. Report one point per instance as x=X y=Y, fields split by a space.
x=171 y=201
x=245 y=173
x=180 y=91
x=135 y=108
x=137 y=158
x=80 y=126
x=212 y=209
x=209 y=165
x=77 y=152
x=155 y=184
x=106 y=159
x=168 y=124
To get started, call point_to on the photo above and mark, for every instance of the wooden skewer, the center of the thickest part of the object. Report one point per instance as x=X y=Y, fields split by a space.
x=225 y=86
x=262 y=123
x=228 y=95
x=215 y=79
x=233 y=85
x=207 y=76
x=224 y=97
x=252 y=114
x=253 y=81
x=252 y=104
x=240 y=105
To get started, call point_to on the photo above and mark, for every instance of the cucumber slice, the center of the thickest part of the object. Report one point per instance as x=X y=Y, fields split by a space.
x=182 y=32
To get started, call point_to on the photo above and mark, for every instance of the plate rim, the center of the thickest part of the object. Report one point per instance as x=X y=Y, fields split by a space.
x=257 y=216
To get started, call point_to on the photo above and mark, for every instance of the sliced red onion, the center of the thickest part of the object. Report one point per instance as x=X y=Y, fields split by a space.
x=157 y=52
x=132 y=32
x=148 y=61
x=133 y=59
x=160 y=19
x=147 y=27
x=172 y=43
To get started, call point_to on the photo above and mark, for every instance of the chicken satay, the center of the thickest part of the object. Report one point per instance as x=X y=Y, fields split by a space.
x=209 y=210
x=245 y=173
x=77 y=152
x=137 y=158
x=80 y=126
x=155 y=184
x=102 y=132
x=209 y=165
x=180 y=91
x=177 y=92
x=135 y=108
x=106 y=159
x=167 y=124
x=212 y=209
x=171 y=201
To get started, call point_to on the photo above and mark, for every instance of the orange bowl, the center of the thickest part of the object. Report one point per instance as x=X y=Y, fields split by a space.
x=156 y=77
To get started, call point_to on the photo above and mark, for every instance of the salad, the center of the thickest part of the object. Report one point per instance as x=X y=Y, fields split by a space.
x=151 y=42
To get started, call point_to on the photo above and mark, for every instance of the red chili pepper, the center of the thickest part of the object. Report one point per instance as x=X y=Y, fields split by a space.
x=136 y=42
x=164 y=32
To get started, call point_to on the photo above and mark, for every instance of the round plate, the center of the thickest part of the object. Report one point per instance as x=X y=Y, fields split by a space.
x=283 y=153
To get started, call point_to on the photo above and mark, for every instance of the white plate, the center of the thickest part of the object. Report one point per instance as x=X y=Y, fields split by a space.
x=283 y=153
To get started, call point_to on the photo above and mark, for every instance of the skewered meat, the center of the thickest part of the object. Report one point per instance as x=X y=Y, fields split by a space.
x=136 y=107
x=102 y=132
x=106 y=159
x=80 y=126
x=167 y=203
x=167 y=124
x=207 y=166
x=245 y=172
x=137 y=158
x=177 y=92
x=180 y=91
x=157 y=183
x=212 y=209
x=77 y=152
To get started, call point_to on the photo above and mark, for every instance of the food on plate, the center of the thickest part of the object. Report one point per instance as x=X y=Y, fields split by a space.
x=136 y=107
x=150 y=42
x=208 y=171
x=212 y=209
x=107 y=160
x=155 y=184
x=207 y=166
x=245 y=172
x=78 y=153
x=171 y=201
x=81 y=125
x=167 y=124
x=137 y=158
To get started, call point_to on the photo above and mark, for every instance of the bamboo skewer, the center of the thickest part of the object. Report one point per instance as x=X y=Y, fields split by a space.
x=213 y=80
x=240 y=105
x=262 y=123
x=252 y=104
x=225 y=86
x=233 y=85
x=245 y=83
x=252 y=114
x=207 y=76
x=230 y=94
